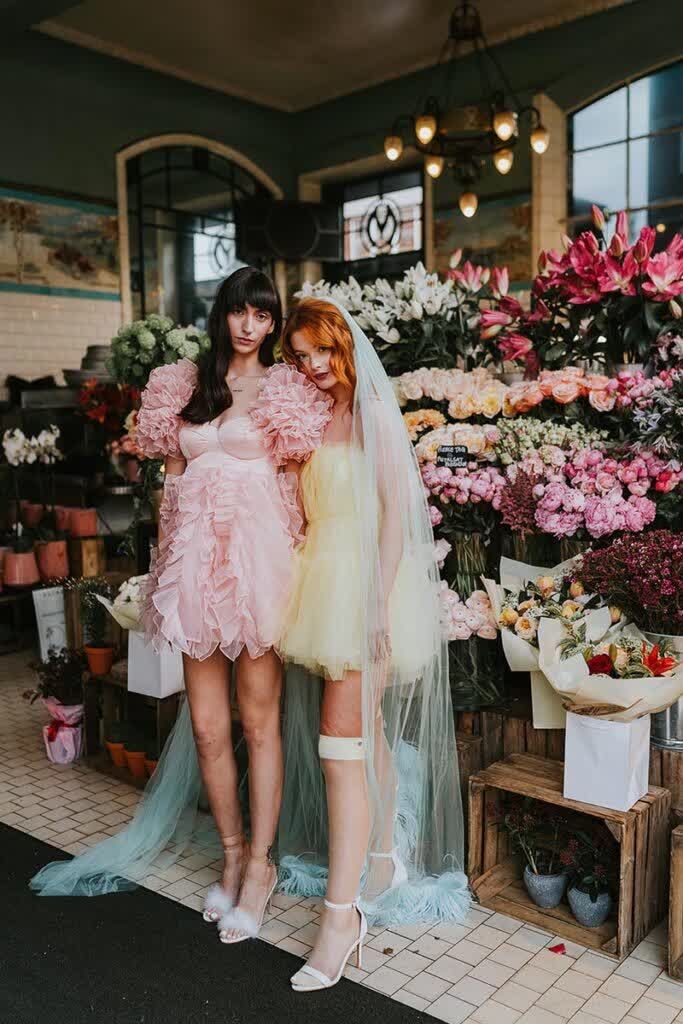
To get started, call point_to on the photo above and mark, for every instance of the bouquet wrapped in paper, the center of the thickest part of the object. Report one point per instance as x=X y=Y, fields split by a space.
x=619 y=677
x=527 y=596
x=126 y=608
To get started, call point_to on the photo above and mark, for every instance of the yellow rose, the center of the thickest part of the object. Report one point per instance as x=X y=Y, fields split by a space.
x=461 y=407
x=546 y=584
x=570 y=608
x=525 y=628
x=615 y=613
x=576 y=589
x=526 y=605
x=508 y=616
x=490 y=404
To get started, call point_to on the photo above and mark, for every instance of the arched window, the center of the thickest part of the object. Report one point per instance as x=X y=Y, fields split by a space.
x=626 y=153
x=177 y=199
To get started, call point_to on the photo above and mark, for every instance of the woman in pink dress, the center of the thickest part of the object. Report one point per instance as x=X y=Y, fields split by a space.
x=221 y=574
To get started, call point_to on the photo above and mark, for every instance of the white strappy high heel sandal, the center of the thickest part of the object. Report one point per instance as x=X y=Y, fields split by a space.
x=217 y=902
x=400 y=873
x=239 y=920
x=310 y=979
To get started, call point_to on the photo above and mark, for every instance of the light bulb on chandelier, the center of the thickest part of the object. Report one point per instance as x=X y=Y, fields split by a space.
x=503 y=160
x=393 y=146
x=468 y=203
x=425 y=128
x=505 y=124
x=540 y=139
x=434 y=165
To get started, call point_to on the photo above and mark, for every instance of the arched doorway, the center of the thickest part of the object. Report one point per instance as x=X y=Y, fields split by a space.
x=176 y=199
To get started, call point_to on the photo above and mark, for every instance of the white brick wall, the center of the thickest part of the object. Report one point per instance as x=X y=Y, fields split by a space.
x=41 y=334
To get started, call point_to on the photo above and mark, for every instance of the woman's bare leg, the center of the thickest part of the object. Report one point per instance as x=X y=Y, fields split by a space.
x=259 y=689
x=349 y=823
x=208 y=693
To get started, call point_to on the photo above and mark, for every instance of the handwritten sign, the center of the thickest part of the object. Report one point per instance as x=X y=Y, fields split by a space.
x=453 y=456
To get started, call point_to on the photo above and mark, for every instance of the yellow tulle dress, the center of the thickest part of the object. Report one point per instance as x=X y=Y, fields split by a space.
x=323 y=623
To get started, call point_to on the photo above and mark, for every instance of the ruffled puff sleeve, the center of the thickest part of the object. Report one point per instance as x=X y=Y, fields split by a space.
x=168 y=390
x=292 y=414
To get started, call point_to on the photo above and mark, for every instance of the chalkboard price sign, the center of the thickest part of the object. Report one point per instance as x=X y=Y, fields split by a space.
x=453 y=456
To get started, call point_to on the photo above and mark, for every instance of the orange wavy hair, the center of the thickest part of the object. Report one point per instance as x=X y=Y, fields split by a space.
x=324 y=325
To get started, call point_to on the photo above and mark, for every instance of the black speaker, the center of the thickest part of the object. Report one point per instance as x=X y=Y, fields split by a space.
x=285 y=229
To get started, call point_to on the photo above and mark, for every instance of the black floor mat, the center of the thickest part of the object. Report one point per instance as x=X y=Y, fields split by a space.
x=139 y=958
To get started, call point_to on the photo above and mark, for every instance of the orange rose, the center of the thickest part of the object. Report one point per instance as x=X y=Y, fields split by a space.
x=573 y=371
x=566 y=392
x=602 y=401
x=596 y=381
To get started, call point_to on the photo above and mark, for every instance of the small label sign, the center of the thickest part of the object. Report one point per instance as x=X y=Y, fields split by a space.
x=453 y=456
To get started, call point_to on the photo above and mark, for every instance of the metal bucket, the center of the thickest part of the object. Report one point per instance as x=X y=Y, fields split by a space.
x=667 y=726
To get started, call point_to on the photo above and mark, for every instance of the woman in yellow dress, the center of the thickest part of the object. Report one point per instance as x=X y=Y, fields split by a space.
x=372 y=818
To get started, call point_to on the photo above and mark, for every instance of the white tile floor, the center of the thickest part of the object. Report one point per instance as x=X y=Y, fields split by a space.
x=491 y=970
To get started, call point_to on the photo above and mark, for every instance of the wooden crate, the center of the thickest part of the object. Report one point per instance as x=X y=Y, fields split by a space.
x=87 y=556
x=676 y=905
x=496 y=876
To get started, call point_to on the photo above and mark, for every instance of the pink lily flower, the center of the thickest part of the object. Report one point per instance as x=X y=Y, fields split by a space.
x=492 y=322
x=615 y=276
x=501 y=281
x=645 y=244
x=666 y=277
x=514 y=346
x=470 y=277
x=622 y=226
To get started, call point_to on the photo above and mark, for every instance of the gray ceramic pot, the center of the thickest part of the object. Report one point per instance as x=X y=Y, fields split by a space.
x=545 y=890
x=587 y=913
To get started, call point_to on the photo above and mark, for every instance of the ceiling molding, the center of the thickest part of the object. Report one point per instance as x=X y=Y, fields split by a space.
x=575 y=11
x=146 y=60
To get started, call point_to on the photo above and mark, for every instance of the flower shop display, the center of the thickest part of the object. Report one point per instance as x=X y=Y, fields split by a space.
x=421 y=321
x=60 y=686
x=645 y=575
x=610 y=304
x=140 y=346
x=534 y=831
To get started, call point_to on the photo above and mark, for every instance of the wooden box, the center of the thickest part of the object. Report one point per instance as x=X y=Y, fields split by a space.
x=642 y=834
x=676 y=906
x=87 y=556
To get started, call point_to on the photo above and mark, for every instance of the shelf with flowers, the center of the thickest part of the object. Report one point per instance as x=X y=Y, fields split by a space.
x=136 y=350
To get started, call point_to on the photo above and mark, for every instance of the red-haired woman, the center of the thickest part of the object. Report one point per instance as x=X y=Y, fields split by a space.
x=364 y=617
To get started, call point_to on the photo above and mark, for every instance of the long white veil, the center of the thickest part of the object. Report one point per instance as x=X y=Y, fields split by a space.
x=408 y=726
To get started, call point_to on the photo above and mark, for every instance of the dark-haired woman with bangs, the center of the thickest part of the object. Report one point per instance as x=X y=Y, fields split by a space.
x=218 y=585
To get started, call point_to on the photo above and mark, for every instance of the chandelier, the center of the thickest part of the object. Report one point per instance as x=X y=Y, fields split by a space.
x=466 y=138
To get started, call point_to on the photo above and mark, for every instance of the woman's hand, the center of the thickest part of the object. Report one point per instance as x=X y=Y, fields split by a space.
x=380 y=636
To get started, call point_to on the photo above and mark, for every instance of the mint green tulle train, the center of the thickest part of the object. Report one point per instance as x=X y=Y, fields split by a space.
x=427 y=796
x=165 y=817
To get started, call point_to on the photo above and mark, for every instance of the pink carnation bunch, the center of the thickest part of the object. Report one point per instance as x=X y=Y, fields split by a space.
x=462 y=486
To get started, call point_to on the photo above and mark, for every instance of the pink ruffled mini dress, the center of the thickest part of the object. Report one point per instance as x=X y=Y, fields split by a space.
x=222 y=574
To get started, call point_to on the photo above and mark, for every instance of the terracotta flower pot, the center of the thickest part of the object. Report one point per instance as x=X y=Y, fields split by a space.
x=3 y=552
x=53 y=560
x=83 y=522
x=150 y=766
x=117 y=753
x=99 y=659
x=135 y=759
x=32 y=514
x=63 y=517
x=20 y=569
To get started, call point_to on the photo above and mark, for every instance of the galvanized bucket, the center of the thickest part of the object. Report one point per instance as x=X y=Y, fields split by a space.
x=667 y=726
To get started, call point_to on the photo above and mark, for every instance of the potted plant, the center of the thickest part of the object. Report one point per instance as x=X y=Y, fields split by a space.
x=51 y=550
x=100 y=654
x=20 y=567
x=591 y=863
x=134 y=750
x=535 y=834
x=114 y=742
x=60 y=686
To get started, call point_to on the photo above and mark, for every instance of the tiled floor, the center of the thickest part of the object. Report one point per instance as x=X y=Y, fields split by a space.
x=491 y=970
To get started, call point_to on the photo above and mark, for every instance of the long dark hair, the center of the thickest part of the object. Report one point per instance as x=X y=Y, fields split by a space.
x=212 y=396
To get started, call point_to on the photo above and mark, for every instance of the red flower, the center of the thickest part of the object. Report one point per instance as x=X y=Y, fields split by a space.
x=600 y=665
x=657 y=666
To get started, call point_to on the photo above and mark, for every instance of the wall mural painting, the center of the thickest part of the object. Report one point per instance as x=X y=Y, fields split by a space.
x=499 y=234
x=58 y=246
